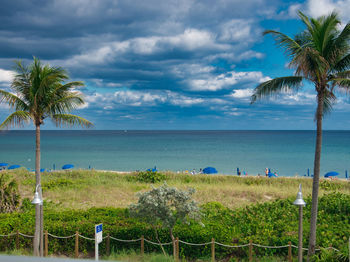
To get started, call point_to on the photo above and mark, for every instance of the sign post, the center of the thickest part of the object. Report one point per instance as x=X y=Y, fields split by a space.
x=98 y=239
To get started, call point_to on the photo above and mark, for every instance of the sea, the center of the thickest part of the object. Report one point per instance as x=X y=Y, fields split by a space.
x=288 y=153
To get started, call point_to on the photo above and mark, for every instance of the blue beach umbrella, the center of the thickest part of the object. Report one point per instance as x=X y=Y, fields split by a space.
x=271 y=175
x=14 y=167
x=68 y=166
x=3 y=164
x=42 y=170
x=209 y=170
x=332 y=173
x=152 y=169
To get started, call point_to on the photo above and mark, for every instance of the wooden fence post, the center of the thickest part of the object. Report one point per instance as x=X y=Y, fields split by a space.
x=212 y=250
x=142 y=245
x=177 y=249
x=250 y=250
x=46 y=250
x=17 y=240
x=108 y=245
x=76 y=244
x=290 y=251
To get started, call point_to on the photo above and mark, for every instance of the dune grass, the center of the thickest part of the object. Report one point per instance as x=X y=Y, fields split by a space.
x=82 y=189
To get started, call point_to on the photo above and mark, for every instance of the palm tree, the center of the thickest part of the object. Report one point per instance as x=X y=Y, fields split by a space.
x=39 y=93
x=320 y=55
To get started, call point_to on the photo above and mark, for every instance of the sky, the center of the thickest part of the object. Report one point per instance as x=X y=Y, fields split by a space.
x=163 y=64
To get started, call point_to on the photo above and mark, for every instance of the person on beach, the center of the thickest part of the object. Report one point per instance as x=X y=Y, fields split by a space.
x=266 y=171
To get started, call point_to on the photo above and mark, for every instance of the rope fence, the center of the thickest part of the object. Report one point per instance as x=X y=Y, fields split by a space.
x=175 y=244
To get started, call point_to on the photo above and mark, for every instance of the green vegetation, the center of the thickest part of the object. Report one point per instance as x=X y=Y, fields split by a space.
x=273 y=223
x=165 y=206
x=9 y=195
x=83 y=189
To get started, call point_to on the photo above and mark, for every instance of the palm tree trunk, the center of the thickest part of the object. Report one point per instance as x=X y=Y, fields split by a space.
x=316 y=178
x=36 y=241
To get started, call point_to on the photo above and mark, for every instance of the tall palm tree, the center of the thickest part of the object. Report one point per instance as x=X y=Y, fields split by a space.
x=320 y=55
x=39 y=92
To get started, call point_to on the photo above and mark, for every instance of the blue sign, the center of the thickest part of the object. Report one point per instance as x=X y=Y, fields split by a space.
x=98 y=228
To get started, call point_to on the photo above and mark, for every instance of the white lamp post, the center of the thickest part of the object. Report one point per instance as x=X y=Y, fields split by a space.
x=38 y=235
x=301 y=203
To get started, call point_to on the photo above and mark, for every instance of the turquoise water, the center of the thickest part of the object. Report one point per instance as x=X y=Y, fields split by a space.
x=286 y=152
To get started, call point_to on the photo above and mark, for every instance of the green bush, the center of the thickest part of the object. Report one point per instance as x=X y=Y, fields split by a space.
x=273 y=224
x=150 y=176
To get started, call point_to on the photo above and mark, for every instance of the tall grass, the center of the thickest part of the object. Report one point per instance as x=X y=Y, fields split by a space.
x=82 y=189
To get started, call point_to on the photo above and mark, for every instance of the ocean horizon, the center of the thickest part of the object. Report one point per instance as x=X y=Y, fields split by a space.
x=286 y=152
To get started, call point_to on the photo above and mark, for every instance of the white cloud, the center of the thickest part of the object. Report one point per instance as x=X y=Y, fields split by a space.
x=227 y=80
x=242 y=93
x=318 y=8
x=237 y=30
x=6 y=76
x=110 y=101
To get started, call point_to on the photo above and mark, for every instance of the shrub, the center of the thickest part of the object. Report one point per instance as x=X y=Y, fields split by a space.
x=9 y=195
x=150 y=176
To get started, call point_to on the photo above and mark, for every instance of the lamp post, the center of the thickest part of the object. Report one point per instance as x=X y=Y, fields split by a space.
x=301 y=203
x=38 y=235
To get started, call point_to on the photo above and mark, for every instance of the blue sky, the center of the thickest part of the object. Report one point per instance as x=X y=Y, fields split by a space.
x=168 y=64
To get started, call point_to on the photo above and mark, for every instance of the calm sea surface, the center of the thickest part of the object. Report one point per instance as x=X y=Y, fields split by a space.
x=286 y=152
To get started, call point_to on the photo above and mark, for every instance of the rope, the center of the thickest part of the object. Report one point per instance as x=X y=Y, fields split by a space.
x=333 y=249
x=194 y=244
x=257 y=245
x=224 y=245
x=154 y=243
x=24 y=235
x=60 y=237
x=122 y=240
x=317 y=249
x=12 y=234
x=88 y=238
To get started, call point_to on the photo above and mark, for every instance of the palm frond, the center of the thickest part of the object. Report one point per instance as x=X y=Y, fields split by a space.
x=328 y=100
x=16 y=119
x=290 y=46
x=12 y=100
x=277 y=85
x=66 y=103
x=343 y=64
x=70 y=120
x=343 y=83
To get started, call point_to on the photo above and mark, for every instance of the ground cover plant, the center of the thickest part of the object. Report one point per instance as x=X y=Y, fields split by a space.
x=270 y=223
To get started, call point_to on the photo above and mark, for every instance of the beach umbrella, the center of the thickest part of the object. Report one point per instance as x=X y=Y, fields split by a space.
x=14 y=166
x=209 y=170
x=42 y=170
x=3 y=164
x=68 y=166
x=152 y=169
x=332 y=173
x=271 y=175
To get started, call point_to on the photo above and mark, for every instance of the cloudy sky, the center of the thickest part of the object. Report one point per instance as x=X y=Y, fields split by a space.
x=163 y=64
